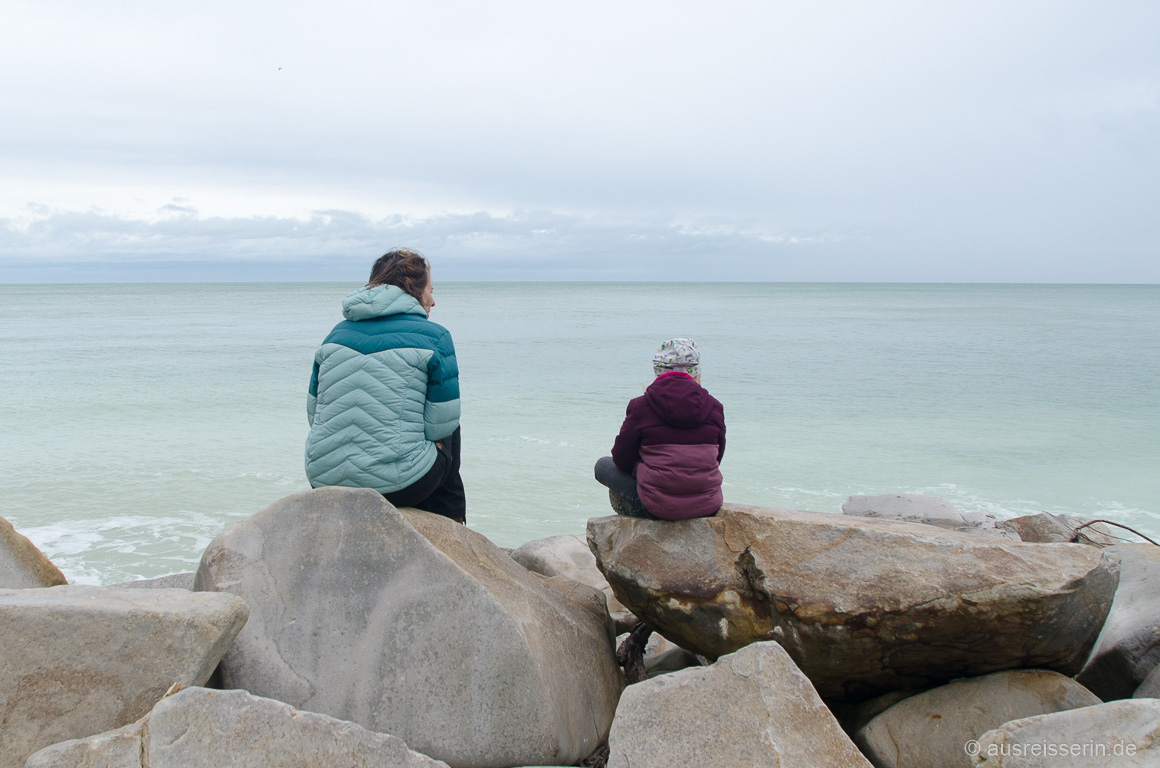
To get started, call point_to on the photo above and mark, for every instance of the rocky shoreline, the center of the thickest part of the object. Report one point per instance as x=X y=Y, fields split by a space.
x=333 y=629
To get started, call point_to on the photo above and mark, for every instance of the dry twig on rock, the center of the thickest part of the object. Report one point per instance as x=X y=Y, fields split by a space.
x=1075 y=534
x=630 y=654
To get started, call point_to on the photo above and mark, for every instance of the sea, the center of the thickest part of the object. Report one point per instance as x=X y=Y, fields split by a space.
x=139 y=421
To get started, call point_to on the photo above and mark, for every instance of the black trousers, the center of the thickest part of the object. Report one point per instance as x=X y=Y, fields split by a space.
x=621 y=490
x=441 y=489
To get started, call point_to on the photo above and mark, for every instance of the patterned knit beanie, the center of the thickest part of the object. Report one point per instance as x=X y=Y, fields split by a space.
x=678 y=354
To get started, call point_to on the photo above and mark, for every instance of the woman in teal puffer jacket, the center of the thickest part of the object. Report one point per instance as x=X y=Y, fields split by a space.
x=384 y=395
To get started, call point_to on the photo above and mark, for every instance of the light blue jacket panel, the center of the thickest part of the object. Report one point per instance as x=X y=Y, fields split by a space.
x=385 y=386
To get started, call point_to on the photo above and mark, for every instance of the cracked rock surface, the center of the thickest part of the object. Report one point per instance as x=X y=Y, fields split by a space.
x=863 y=606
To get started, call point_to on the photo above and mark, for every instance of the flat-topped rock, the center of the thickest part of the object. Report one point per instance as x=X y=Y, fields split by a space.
x=407 y=623
x=863 y=606
x=81 y=660
x=931 y=728
x=201 y=728
x=750 y=708
x=22 y=565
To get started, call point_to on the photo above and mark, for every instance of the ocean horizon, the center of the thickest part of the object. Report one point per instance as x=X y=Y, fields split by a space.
x=145 y=418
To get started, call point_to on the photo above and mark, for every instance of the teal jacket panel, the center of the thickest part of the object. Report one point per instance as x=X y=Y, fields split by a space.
x=384 y=388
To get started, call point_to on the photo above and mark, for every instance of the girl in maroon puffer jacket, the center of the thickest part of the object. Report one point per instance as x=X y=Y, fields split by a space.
x=665 y=461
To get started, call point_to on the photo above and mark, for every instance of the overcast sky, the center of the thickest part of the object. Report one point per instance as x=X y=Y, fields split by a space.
x=847 y=141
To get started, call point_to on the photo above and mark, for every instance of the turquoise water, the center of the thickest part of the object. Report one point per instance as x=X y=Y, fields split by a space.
x=141 y=420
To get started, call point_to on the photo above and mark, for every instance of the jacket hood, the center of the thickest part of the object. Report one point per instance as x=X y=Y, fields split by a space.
x=679 y=401
x=379 y=301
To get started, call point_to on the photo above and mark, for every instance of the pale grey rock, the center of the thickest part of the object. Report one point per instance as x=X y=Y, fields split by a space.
x=672 y=660
x=22 y=565
x=201 y=728
x=172 y=581
x=1150 y=688
x=407 y=623
x=1128 y=648
x=927 y=510
x=750 y=708
x=912 y=507
x=985 y=524
x=656 y=643
x=662 y=656
x=568 y=555
x=930 y=728
x=1119 y=734
x=80 y=660
x=863 y=606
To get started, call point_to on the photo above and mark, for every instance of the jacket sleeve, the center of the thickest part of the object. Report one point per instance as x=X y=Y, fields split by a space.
x=720 y=432
x=312 y=395
x=626 y=447
x=441 y=410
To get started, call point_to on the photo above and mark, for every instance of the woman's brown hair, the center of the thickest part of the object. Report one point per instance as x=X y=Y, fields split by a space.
x=402 y=267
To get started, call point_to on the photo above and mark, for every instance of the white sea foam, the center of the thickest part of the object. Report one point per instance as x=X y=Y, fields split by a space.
x=113 y=549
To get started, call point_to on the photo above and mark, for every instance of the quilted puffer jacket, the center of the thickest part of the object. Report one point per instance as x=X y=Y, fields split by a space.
x=673 y=440
x=385 y=387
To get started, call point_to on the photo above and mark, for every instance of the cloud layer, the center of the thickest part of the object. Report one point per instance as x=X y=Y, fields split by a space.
x=340 y=244
x=841 y=141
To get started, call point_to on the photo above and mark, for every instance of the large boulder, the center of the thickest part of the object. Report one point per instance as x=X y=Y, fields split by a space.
x=200 y=728
x=407 y=623
x=79 y=660
x=932 y=727
x=568 y=555
x=22 y=565
x=863 y=606
x=750 y=708
x=1128 y=648
x=1121 y=734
